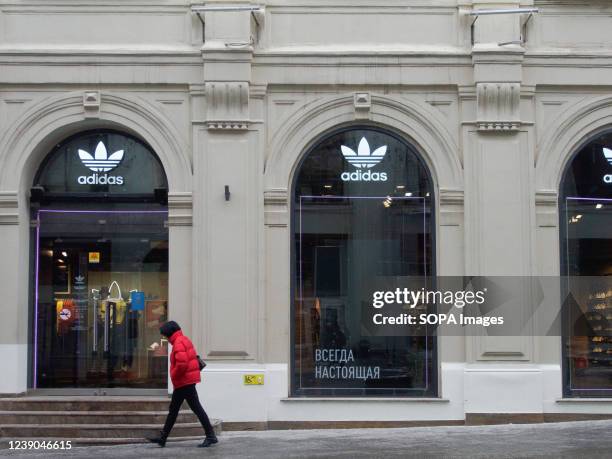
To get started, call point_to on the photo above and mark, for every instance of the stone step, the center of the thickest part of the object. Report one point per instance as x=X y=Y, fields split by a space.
x=103 y=403
x=99 y=431
x=91 y=417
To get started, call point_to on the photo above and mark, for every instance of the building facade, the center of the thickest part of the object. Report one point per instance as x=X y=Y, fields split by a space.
x=225 y=165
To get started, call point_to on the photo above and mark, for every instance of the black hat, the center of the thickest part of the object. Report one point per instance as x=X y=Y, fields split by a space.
x=169 y=328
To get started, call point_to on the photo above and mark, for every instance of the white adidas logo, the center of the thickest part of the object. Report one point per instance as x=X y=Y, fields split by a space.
x=364 y=158
x=100 y=161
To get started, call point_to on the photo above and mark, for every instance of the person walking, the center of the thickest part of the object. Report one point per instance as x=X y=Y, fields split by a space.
x=185 y=374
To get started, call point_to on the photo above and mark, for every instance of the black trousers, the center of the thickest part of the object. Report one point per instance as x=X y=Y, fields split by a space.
x=190 y=394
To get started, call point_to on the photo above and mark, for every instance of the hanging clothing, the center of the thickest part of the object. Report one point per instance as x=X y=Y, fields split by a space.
x=118 y=313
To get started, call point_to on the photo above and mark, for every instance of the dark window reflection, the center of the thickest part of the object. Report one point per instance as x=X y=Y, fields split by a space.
x=358 y=219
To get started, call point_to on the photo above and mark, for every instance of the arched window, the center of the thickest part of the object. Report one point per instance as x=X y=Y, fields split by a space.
x=101 y=161
x=100 y=265
x=362 y=216
x=585 y=209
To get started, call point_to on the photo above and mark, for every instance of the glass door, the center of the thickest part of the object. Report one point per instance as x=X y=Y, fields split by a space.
x=588 y=336
x=101 y=293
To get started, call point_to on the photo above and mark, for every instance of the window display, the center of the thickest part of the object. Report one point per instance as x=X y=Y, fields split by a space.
x=362 y=214
x=586 y=242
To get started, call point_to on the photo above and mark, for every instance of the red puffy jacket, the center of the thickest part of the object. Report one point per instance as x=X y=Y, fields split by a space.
x=184 y=366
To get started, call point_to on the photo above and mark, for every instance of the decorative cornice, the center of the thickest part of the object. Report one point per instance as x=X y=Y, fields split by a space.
x=227 y=125
x=547 y=198
x=258 y=91
x=546 y=208
x=180 y=209
x=451 y=197
x=276 y=197
x=276 y=208
x=9 y=205
x=495 y=54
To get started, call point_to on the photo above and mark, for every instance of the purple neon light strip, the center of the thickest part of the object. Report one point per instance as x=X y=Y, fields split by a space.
x=301 y=295
x=60 y=211
x=361 y=197
x=36 y=301
x=588 y=199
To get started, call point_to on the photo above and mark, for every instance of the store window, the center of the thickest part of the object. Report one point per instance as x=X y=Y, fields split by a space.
x=100 y=265
x=585 y=209
x=362 y=215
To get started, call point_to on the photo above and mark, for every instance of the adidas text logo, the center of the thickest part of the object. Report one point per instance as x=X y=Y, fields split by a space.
x=364 y=159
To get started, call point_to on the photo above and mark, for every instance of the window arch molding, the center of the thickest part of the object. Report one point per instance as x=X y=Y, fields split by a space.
x=574 y=128
x=34 y=133
x=417 y=123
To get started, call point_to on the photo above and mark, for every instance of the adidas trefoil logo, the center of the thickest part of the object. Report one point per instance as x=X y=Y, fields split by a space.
x=364 y=159
x=100 y=161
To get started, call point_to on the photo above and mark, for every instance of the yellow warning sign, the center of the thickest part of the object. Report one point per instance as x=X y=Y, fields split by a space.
x=254 y=380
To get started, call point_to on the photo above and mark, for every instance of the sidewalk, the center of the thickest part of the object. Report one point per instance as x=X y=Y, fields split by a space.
x=571 y=440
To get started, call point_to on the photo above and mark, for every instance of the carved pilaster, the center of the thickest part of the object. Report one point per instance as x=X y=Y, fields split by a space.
x=498 y=106
x=227 y=105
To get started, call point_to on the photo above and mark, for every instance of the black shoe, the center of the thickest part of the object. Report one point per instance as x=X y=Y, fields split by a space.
x=208 y=441
x=160 y=440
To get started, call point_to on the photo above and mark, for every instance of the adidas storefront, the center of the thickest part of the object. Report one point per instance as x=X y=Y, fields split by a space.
x=254 y=179
x=363 y=212
x=100 y=258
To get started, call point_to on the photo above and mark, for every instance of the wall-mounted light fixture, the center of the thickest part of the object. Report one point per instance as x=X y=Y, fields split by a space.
x=488 y=12
x=257 y=12
x=503 y=11
x=204 y=8
x=227 y=193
